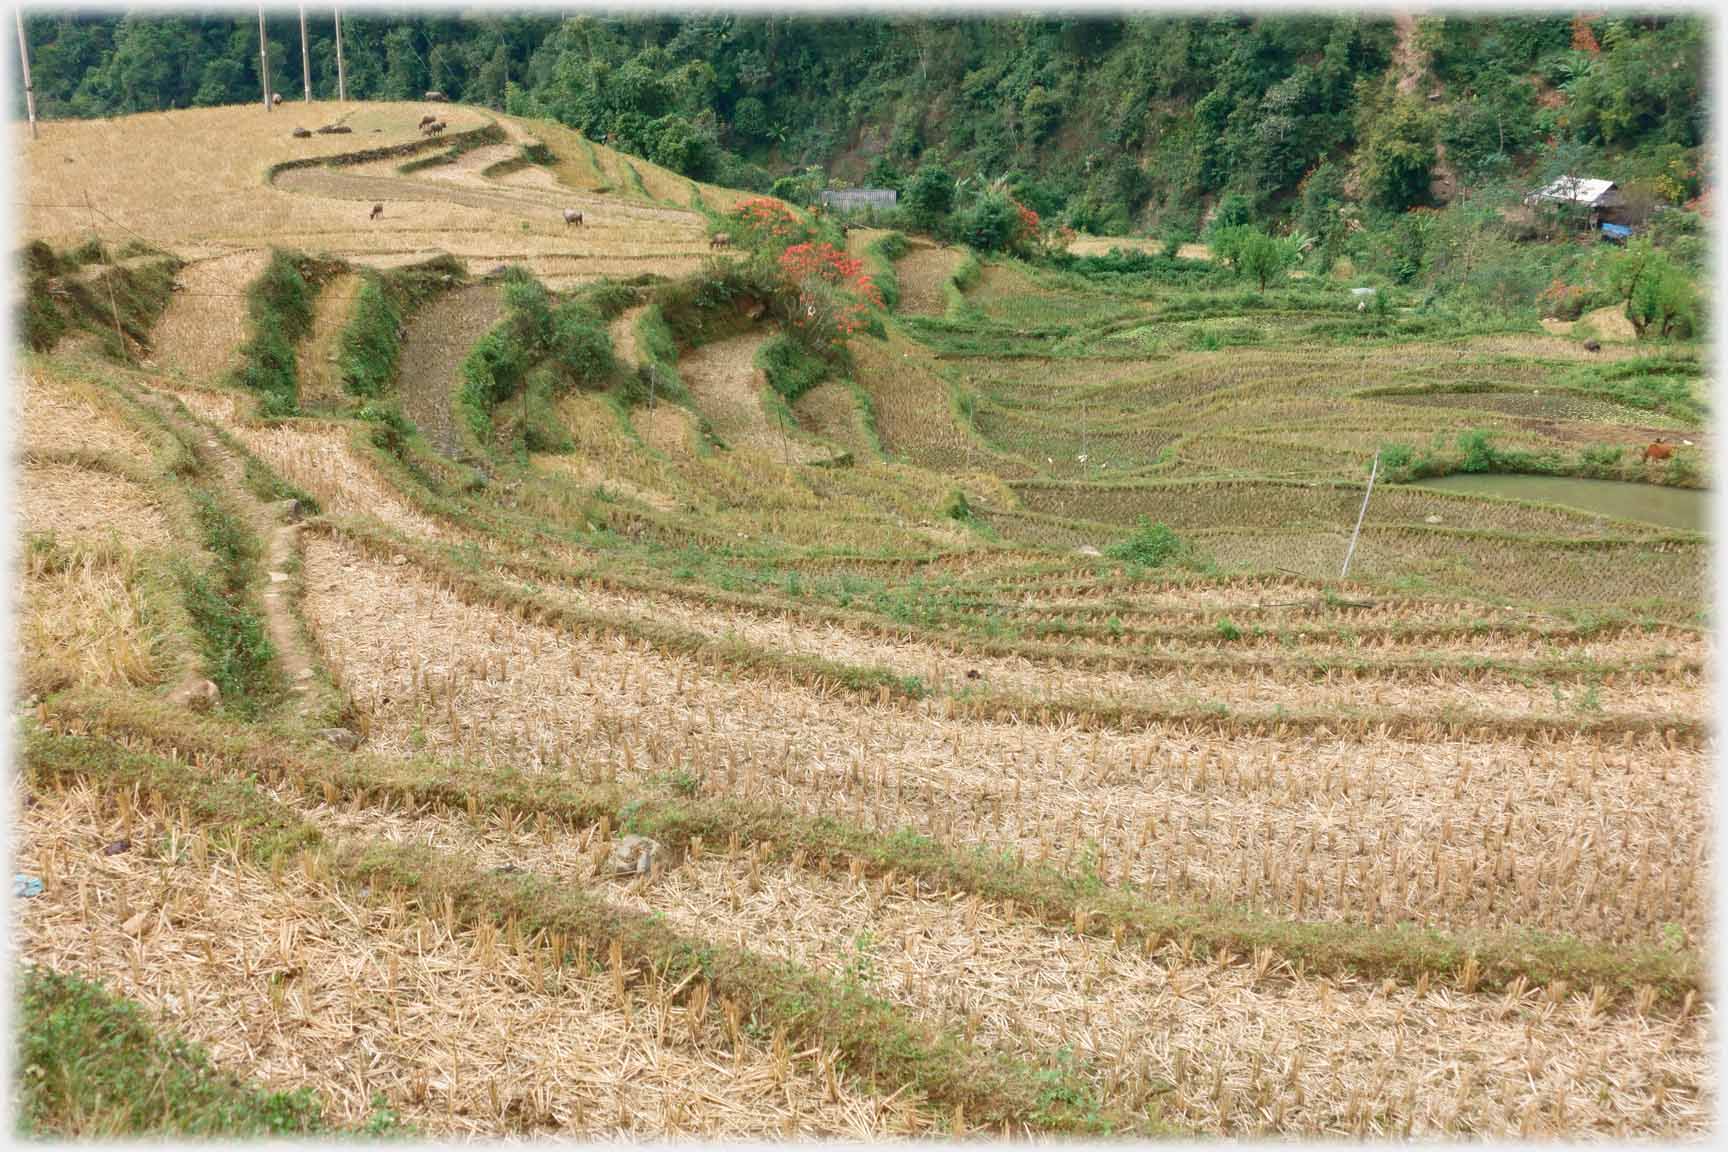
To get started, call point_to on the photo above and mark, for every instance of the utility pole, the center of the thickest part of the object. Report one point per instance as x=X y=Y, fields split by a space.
x=29 y=88
x=305 y=56
x=263 y=58
x=1360 y=516
x=341 y=73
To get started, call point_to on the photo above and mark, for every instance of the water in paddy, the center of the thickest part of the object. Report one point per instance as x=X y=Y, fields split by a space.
x=1684 y=508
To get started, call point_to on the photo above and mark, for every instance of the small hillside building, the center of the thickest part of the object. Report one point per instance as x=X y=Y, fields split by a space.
x=1596 y=200
x=855 y=199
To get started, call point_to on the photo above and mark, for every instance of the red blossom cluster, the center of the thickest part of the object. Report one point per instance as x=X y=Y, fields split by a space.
x=767 y=215
x=1562 y=299
x=812 y=267
x=1029 y=223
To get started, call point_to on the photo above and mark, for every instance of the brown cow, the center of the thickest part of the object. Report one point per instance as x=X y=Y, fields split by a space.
x=377 y=211
x=1592 y=346
x=1660 y=450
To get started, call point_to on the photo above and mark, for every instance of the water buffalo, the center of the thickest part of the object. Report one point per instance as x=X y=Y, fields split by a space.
x=429 y=118
x=720 y=240
x=1592 y=346
x=377 y=211
x=301 y=134
x=571 y=216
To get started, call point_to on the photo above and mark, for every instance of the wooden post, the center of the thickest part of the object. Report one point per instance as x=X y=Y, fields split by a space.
x=29 y=88
x=305 y=56
x=1360 y=516
x=341 y=73
x=263 y=58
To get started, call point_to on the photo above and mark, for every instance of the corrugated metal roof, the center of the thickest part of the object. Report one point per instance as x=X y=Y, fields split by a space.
x=1575 y=190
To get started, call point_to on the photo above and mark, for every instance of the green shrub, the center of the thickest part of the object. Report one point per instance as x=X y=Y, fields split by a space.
x=791 y=368
x=370 y=344
x=580 y=348
x=1396 y=457
x=279 y=308
x=1151 y=546
x=1476 y=447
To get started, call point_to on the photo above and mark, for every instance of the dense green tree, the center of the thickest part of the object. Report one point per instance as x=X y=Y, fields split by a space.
x=929 y=196
x=1113 y=124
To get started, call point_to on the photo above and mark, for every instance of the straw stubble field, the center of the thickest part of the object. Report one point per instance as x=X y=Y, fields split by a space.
x=677 y=782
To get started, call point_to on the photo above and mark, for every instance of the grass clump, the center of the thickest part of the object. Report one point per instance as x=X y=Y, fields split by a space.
x=90 y=1066
x=238 y=656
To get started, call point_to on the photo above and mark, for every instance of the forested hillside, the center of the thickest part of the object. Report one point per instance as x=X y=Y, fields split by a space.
x=1110 y=126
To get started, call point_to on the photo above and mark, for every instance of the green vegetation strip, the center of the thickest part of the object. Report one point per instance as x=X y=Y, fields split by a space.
x=91 y=1067
x=279 y=317
x=874 y=1037
x=1492 y=960
x=492 y=592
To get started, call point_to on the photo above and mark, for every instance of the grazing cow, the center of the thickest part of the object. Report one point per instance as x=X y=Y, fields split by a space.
x=377 y=211
x=429 y=118
x=275 y=97
x=436 y=97
x=301 y=134
x=436 y=128
x=1592 y=346
x=1661 y=450
x=571 y=216
x=720 y=240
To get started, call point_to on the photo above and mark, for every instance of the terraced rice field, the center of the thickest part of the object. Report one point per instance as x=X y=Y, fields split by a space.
x=658 y=772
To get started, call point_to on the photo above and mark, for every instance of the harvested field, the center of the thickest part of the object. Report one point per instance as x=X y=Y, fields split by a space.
x=923 y=274
x=1282 y=823
x=320 y=381
x=85 y=622
x=728 y=388
x=320 y=461
x=830 y=411
x=439 y=339
x=1268 y=1034
x=54 y=417
x=283 y=977
x=200 y=335
x=82 y=505
x=1015 y=759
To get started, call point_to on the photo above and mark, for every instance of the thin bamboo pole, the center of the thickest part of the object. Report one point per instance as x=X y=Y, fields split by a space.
x=1360 y=516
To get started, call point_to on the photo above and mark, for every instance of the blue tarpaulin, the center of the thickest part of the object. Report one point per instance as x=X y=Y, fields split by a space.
x=1616 y=232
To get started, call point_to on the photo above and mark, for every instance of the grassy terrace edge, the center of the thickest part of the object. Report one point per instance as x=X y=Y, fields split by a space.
x=1482 y=959
x=875 y=1038
x=92 y=1065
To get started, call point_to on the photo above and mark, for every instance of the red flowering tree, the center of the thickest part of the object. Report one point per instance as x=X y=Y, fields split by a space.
x=763 y=222
x=834 y=292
